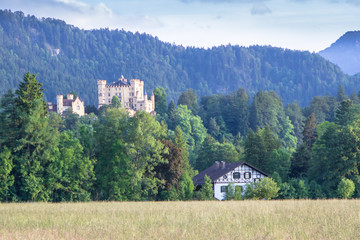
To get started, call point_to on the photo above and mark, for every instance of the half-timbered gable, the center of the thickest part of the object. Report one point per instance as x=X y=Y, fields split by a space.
x=222 y=174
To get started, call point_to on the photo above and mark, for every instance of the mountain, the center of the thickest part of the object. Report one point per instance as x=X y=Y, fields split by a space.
x=345 y=52
x=66 y=58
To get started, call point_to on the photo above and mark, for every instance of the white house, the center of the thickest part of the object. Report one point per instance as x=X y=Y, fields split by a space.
x=221 y=174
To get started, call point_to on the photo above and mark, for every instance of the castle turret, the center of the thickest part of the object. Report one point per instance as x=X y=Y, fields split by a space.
x=101 y=92
x=152 y=98
x=59 y=103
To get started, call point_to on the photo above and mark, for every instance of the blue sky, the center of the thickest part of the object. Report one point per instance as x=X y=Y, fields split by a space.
x=295 y=24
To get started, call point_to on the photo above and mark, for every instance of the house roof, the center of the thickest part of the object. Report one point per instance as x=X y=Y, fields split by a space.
x=214 y=171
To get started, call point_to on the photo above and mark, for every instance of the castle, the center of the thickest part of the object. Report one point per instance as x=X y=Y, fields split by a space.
x=62 y=104
x=131 y=95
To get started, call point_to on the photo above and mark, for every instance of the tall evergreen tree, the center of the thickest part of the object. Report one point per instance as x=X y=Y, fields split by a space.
x=6 y=178
x=309 y=132
x=343 y=114
x=341 y=96
x=33 y=155
x=28 y=92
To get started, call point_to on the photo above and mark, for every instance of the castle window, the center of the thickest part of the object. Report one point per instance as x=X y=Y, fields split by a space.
x=109 y=94
x=77 y=107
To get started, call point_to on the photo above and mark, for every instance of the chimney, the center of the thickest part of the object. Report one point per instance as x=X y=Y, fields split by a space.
x=217 y=164
x=222 y=164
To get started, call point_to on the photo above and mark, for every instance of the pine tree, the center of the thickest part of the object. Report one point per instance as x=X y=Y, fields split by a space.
x=28 y=92
x=6 y=178
x=343 y=114
x=33 y=155
x=207 y=191
x=341 y=96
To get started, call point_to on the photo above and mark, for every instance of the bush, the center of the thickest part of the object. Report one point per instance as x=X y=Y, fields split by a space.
x=264 y=189
x=346 y=188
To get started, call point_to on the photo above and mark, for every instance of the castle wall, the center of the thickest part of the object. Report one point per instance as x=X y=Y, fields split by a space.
x=131 y=94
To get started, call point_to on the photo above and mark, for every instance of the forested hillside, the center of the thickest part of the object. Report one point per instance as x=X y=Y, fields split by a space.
x=66 y=59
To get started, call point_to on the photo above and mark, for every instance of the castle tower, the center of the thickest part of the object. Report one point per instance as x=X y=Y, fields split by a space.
x=59 y=103
x=152 y=98
x=101 y=92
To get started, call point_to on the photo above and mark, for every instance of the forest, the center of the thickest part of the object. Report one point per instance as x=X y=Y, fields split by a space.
x=66 y=58
x=310 y=152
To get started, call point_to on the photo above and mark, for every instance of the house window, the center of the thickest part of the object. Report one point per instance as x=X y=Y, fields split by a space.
x=223 y=188
x=225 y=176
x=236 y=175
x=247 y=175
x=257 y=180
x=109 y=94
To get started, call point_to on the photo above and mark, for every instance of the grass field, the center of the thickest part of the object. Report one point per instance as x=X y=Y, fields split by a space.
x=303 y=219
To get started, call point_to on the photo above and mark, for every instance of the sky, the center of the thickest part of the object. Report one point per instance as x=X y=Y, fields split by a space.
x=311 y=25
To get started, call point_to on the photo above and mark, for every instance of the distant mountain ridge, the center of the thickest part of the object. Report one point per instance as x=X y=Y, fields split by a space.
x=66 y=58
x=345 y=52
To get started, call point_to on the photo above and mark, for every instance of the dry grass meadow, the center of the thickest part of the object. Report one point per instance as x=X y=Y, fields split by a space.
x=303 y=219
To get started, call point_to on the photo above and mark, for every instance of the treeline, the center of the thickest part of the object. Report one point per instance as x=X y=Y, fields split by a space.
x=70 y=59
x=310 y=152
x=111 y=156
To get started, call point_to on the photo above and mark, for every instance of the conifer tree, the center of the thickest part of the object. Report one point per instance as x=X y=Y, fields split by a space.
x=343 y=114
x=309 y=132
x=207 y=191
x=28 y=92
x=6 y=178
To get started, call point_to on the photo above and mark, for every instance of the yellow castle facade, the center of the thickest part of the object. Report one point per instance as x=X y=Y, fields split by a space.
x=130 y=93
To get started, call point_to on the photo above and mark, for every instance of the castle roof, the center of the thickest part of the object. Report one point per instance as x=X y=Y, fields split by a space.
x=68 y=102
x=119 y=83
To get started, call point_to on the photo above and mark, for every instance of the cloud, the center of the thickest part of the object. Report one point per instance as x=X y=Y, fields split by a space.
x=260 y=9
x=73 y=3
x=355 y=2
x=83 y=7
x=224 y=1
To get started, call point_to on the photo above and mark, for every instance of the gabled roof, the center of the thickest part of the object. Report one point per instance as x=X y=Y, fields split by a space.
x=216 y=171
